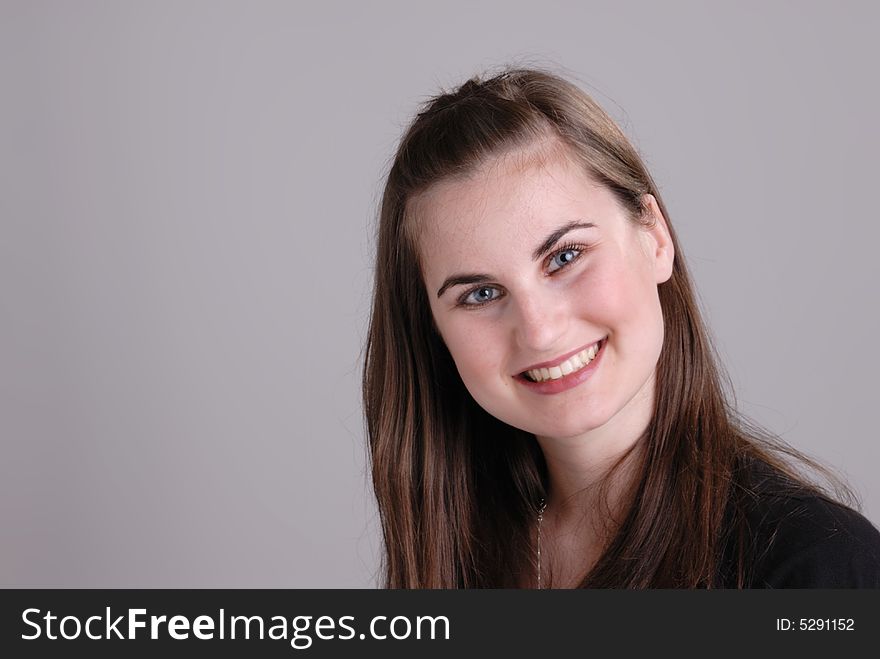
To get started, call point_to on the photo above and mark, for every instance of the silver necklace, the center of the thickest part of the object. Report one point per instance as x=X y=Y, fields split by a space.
x=542 y=506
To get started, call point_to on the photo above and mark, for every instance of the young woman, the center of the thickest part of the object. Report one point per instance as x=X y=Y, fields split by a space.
x=543 y=404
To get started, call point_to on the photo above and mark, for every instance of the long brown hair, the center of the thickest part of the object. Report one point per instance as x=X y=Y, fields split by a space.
x=456 y=487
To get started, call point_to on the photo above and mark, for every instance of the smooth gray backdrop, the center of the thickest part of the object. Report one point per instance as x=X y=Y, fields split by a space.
x=187 y=196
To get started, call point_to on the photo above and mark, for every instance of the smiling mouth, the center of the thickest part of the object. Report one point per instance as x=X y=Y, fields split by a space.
x=571 y=365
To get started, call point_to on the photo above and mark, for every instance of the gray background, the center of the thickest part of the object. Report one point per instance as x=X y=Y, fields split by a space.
x=187 y=191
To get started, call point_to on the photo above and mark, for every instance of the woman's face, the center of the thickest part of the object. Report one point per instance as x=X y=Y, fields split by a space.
x=529 y=266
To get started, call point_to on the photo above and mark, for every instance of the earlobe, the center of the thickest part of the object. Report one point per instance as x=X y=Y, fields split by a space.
x=663 y=248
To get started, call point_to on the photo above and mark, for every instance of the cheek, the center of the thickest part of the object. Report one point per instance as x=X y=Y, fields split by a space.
x=608 y=294
x=475 y=353
x=623 y=299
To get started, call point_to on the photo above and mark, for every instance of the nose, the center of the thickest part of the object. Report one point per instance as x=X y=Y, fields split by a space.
x=540 y=322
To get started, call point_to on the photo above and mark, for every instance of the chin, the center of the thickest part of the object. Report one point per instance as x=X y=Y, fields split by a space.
x=566 y=431
x=557 y=428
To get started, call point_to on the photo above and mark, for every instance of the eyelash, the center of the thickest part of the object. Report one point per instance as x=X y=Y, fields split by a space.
x=569 y=246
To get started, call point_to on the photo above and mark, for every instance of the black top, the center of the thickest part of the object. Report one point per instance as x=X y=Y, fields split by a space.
x=799 y=539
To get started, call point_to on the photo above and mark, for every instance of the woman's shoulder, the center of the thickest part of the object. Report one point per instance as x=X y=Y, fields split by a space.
x=799 y=538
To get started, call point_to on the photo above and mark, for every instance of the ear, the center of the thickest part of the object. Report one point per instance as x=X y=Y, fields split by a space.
x=659 y=240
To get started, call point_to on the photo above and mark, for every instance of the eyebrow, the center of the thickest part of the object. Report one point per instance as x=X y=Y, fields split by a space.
x=543 y=248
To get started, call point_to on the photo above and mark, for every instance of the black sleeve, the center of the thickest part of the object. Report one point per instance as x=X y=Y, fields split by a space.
x=827 y=546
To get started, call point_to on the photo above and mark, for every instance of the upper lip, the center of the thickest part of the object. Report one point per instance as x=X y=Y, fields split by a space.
x=559 y=360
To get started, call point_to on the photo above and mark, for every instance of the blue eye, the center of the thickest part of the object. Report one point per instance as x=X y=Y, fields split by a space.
x=564 y=257
x=480 y=296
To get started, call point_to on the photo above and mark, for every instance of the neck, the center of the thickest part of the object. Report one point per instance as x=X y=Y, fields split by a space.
x=576 y=465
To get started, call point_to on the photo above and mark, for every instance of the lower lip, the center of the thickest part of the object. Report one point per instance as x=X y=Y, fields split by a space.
x=566 y=382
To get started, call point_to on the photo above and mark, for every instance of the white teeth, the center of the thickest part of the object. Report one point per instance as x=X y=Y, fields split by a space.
x=570 y=365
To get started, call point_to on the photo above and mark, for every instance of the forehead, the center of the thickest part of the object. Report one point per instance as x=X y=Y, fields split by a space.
x=513 y=199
